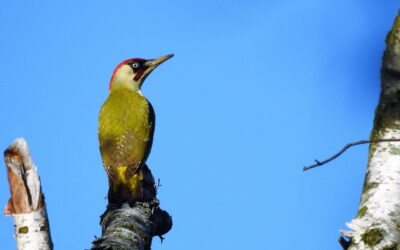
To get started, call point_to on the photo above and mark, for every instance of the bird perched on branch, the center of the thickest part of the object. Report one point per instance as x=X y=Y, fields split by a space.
x=126 y=127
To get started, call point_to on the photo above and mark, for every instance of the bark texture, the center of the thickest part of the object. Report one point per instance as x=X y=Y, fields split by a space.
x=132 y=226
x=27 y=201
x=377 y=223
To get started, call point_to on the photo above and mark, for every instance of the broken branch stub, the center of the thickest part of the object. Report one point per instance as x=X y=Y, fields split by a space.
x=27 y=203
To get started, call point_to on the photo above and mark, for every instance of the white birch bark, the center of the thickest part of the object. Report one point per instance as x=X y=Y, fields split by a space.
x=377 y=224
x=27 y=201
x=31 y=230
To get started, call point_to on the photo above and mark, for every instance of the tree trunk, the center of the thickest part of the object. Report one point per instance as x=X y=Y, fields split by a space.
x=27 y=201
x=132 y=226
x=377 y=223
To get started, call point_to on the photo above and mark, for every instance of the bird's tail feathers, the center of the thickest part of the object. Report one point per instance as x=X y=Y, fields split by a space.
x=127 y=182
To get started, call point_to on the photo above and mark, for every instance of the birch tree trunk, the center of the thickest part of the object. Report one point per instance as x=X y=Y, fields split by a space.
x=27 y=201
x=377 y=224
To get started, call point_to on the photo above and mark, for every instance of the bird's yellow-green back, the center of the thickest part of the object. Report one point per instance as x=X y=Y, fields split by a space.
x=126 y=125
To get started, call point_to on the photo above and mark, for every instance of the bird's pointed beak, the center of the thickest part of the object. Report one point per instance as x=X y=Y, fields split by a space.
x=155 y=62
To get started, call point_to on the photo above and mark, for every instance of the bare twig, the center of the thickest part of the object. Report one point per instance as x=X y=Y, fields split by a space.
x=318 y=163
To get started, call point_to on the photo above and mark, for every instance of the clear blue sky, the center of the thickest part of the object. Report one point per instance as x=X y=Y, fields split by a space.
x=256 y=90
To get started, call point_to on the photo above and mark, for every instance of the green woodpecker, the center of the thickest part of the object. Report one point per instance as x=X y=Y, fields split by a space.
x=126 y=127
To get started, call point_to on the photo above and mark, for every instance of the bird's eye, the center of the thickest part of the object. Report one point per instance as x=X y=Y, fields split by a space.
x=135 y=65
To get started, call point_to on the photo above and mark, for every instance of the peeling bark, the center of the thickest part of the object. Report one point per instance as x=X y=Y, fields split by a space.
x=132 y=226
x=27 y=203
x=377 y=223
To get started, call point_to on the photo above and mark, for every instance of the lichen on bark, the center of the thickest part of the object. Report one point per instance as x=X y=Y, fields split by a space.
x=378 y=217
x=132 y=226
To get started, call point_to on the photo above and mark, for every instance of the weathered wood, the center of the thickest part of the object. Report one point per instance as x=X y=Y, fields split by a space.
x=27 y=203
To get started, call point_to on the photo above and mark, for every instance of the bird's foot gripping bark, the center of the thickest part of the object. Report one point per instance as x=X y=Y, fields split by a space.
x=131 y=224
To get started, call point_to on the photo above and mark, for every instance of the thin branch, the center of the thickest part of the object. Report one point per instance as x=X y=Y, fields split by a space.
x=318 y=163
